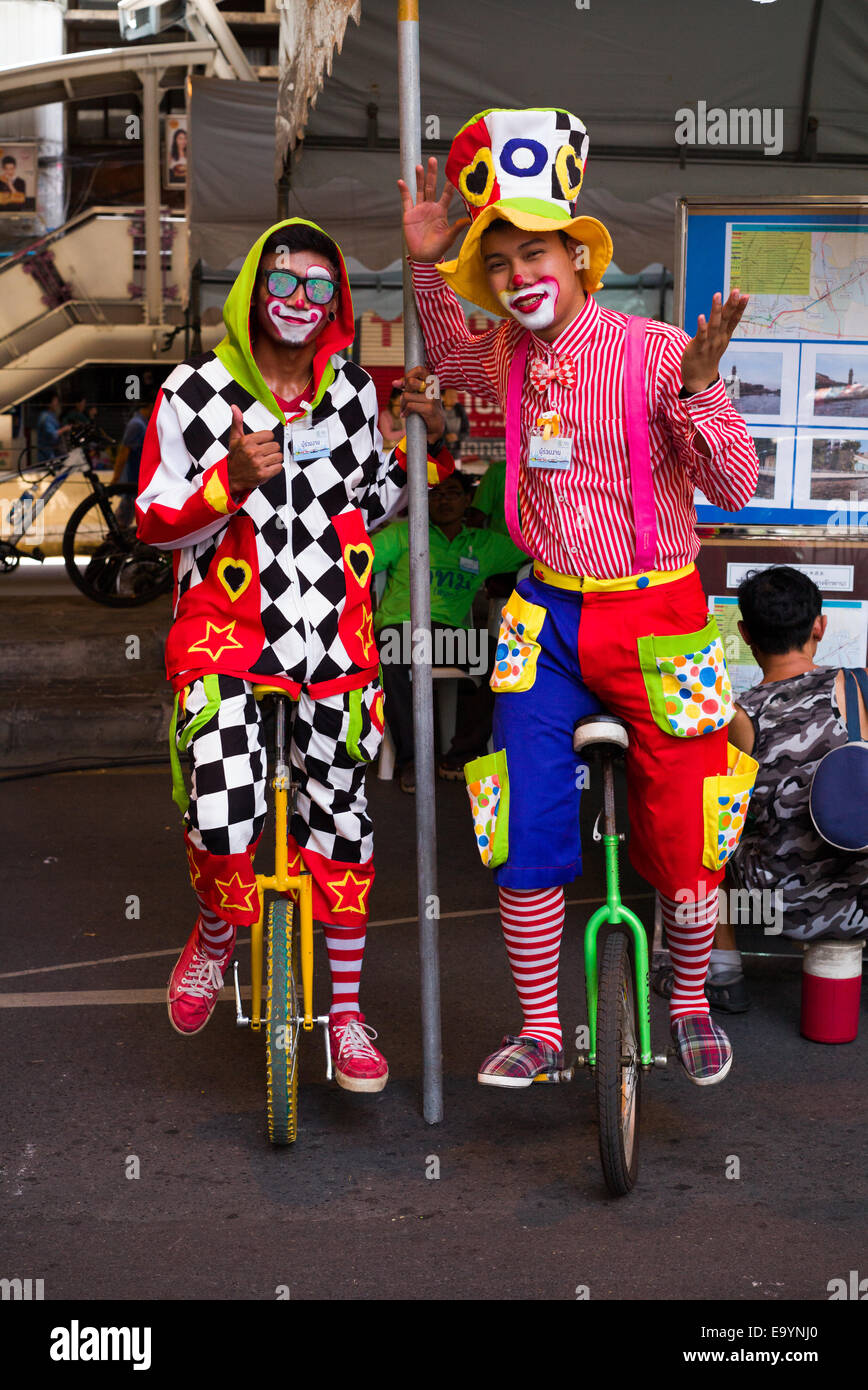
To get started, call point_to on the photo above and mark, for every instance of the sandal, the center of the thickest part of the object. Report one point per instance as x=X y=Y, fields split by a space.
x=451 y=767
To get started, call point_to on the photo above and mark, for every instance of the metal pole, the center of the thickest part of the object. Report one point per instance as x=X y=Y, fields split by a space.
x=153 y=236
x=420 y=602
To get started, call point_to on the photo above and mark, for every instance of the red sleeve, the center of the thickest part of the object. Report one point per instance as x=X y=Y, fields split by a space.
x=173 y=510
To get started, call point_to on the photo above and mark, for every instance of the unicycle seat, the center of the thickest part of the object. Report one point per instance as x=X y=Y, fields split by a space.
x=597 y=730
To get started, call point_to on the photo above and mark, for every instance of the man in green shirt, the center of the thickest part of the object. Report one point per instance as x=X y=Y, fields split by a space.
x=462 y=558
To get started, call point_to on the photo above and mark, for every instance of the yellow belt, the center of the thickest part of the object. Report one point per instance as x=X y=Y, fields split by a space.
x=587 y=585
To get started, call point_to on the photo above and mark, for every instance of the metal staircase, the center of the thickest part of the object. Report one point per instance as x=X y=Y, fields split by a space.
x=78 y=296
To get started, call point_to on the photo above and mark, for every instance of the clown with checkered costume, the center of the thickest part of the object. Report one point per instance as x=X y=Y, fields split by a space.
x=612 y=423
x=263 y=470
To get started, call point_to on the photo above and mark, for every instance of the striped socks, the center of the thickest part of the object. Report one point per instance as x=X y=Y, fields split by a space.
x=533 y=924
x=690 y=928
x=346 y=948
x=216 y=936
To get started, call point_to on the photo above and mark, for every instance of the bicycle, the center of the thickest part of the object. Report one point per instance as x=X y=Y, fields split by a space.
x=103 y=556
x=618 y=994
x=289 y=956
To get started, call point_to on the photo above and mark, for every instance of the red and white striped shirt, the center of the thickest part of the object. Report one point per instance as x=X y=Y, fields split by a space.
x=579 y=521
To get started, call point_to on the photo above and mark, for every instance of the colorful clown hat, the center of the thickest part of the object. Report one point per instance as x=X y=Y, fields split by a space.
x=526 y=167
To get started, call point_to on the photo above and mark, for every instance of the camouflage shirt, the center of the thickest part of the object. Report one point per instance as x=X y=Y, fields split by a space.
x=824 y=891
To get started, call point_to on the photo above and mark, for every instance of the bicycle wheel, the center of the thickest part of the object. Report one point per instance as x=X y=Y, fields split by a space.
x=105 y=560
x=618 y=1075
x=282 y=1024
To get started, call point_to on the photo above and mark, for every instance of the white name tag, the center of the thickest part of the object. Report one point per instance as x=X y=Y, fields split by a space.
x=311 y=442
x=468 y=563
x=556 y=452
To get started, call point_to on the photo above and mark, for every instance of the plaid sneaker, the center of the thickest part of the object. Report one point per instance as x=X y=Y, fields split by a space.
x=518 y=1062
x=358 y=1065
x=194 y=984
x=703 y=1048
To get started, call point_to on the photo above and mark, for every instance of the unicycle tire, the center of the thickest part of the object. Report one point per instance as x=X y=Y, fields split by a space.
x=617 y=1070
x=282 y=1024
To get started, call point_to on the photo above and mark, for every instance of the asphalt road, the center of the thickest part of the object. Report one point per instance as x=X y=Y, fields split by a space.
x=98 y=1086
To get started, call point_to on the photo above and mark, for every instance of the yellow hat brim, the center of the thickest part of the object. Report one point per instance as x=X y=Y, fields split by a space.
x=466 y=274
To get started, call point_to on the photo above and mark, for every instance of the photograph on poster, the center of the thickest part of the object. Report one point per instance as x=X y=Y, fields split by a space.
x=175 y=172
x=834 y=385
x=761 y=382
x=775 y=480
x=17 y=178
x=831 y=469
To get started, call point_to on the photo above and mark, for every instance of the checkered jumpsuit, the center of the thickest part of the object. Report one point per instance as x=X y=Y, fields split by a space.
x=272 y=588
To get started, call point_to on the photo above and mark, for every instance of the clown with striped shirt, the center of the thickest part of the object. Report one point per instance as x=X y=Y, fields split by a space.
x=612 y=424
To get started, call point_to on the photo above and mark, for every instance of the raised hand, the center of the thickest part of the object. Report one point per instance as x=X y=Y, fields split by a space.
x=703 y=353
x=427 y=229
x=252 y=458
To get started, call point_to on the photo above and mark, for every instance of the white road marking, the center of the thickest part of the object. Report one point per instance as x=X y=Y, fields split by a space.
x=62 y=998
x=382 y=922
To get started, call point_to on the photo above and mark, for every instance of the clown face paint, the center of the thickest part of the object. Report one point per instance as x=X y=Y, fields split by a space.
x=295 y=320
x=295 y=325
x=533 y=306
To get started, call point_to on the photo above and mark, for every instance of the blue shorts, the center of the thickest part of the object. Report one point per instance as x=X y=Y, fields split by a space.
x=535 y=727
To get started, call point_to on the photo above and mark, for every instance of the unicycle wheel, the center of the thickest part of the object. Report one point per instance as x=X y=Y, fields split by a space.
x=282 y=1024
x=617 y=1070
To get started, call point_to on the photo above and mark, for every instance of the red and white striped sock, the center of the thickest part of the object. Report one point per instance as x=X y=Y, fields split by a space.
x=346 y=948
x=533 y=924
x=217 y=937
x=690 y=928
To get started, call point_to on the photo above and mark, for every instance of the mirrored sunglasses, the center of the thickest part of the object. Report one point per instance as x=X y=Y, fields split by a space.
x=282 y=283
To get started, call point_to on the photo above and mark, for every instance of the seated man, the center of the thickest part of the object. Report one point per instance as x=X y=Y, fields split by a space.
x=462 y=557
x=788 y=722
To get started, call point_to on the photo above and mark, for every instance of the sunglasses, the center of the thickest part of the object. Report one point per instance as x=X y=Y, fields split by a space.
x=282 y=283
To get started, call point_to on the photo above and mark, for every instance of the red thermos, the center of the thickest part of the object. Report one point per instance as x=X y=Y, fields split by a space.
x=831 y=986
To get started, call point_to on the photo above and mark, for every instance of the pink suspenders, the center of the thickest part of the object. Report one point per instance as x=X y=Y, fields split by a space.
x=638 y=444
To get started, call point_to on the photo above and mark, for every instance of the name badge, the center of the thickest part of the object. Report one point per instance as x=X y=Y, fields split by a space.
x=555 y=452
x=468 y=563
x=311 y=442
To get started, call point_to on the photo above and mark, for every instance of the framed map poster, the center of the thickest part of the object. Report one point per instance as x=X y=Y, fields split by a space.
x=797 y=367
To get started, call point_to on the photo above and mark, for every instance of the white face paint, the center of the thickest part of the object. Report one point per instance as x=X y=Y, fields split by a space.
x=534 y=306
x=296 y=324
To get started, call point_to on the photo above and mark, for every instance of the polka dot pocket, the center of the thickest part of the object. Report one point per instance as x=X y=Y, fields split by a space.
x=487 y=781
x=687 y=682
x=725 y=802
x=517 y=646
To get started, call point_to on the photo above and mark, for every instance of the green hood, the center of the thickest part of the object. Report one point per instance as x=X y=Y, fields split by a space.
x=234 y=350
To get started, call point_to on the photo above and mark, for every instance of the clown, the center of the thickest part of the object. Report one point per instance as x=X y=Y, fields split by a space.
x=263 y=470
x=611 y=425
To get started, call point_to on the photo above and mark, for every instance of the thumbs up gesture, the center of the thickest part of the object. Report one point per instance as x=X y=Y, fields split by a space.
x=252 y=458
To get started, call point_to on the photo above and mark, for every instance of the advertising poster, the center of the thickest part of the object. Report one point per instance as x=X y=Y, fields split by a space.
x=18 y=170
x=175 y=167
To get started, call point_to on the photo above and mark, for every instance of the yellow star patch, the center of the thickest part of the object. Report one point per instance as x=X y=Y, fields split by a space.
x=344 y=890
x=210 y=645
x=235 y=894
x=195 y=871
x=365 y=633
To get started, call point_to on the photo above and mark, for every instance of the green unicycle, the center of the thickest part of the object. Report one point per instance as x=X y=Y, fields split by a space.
x=617 y=982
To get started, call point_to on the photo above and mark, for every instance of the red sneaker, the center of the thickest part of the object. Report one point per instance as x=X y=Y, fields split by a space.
x=357 y=1063
x=194 y=985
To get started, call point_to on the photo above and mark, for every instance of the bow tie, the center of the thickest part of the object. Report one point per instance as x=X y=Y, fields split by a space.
x=563 y=370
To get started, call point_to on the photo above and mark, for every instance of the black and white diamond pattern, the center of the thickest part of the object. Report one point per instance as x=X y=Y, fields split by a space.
x=228 y=773
x=301 y=569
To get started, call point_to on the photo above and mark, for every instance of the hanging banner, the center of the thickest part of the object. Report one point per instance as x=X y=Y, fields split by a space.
x=175 y=165
x=18 y=167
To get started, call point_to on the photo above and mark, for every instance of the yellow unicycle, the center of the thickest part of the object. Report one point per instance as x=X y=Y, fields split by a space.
x=289 y=955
